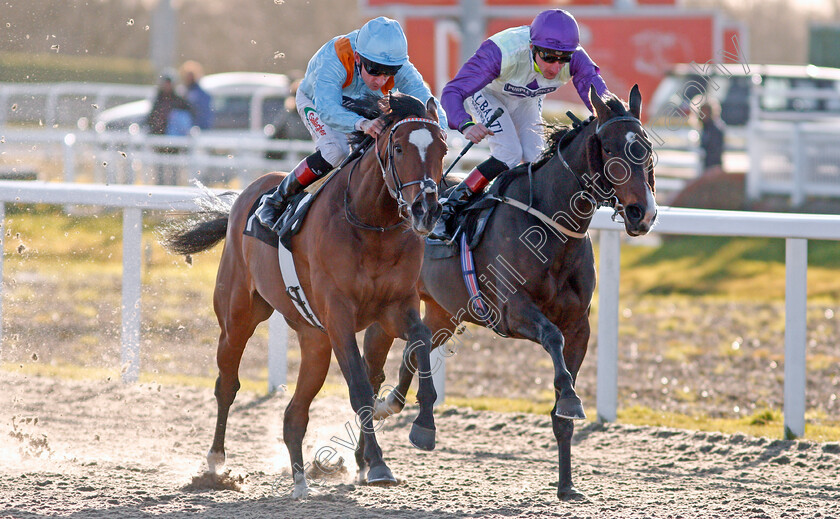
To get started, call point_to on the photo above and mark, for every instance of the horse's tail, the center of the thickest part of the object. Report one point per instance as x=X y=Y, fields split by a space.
x=201 y=230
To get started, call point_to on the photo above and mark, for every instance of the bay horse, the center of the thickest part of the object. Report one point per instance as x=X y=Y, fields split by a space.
x=539 y=282
x=358 y=263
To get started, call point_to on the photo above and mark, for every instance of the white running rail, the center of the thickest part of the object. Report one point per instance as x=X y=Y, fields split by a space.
x=796 y=229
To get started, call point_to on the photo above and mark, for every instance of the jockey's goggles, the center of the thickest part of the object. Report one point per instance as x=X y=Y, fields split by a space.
x=553 y=56
x=377 y=69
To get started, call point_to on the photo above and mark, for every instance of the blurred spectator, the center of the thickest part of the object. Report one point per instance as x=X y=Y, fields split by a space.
x=166 y=100
x=199 y=100
x=170 y=115
x=288 y=125
x=712 y=134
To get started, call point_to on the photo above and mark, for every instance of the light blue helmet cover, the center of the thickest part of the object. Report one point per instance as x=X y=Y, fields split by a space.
x=382 y=40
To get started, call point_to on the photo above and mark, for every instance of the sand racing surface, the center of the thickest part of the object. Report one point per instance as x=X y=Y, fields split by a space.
x=97 y=448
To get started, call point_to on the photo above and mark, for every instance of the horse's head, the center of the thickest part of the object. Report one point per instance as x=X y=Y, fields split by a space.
x=620 y=160
x=411 y=150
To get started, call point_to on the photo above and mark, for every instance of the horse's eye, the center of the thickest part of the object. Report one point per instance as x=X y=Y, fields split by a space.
x=397 y=148
x=608 y=152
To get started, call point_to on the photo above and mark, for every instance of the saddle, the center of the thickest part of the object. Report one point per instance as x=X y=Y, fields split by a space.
x=471 y=221
x=291 y=220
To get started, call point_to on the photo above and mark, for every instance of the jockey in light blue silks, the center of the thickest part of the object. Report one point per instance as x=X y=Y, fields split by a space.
x=513 y=69
x=370 y=61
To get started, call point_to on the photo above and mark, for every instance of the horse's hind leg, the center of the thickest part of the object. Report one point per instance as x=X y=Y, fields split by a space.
x=315 y=356
x=238 y=316
x=440 y=323
x=377 y=345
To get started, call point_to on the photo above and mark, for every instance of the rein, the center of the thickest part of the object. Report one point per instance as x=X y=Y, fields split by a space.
x=428 y=185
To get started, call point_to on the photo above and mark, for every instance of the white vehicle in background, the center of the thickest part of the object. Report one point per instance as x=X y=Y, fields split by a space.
x=781 y=92
x=243 y=102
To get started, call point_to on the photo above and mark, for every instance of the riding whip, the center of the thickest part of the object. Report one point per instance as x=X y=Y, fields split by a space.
x=498 y=113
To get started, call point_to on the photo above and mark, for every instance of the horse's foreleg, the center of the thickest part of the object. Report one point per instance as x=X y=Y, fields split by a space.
x=315 y=356
x=533 y=325
x=376 y=346
x=577 y=341
x=419 y=345
x=341 y=328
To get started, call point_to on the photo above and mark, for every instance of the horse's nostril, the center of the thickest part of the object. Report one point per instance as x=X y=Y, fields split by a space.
x=634 y=212
x=417 y=209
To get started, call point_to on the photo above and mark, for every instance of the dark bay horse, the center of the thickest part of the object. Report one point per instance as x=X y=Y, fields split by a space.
x=358 y=263
x=538 y=280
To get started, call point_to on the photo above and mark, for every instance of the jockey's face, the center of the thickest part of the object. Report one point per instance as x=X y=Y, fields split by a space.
x=548 y=70
x=372 y=82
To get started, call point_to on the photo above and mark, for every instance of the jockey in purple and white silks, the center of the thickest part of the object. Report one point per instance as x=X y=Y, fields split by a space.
x=368 y=62
x=513 y=69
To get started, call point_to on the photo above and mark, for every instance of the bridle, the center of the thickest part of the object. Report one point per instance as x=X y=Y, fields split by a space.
x=427 y=185
x=618 y=207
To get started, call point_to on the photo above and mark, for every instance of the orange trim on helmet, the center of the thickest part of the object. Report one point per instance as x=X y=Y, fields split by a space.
x=347 y=57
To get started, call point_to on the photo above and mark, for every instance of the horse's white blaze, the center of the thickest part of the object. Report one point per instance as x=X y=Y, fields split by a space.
x=421 y=138
x=630 y=137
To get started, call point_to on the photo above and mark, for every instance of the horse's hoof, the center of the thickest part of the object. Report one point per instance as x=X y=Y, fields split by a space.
x=570 y=493
x=384 y=408
x=301 y=489
x=422 y=438
x=361 y=475
x=216 y=461
x=570 y=408
x=381 y=476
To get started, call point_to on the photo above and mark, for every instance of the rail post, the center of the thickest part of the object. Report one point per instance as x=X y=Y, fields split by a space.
x=796 y=294
x=131 y=286
x=609 y=271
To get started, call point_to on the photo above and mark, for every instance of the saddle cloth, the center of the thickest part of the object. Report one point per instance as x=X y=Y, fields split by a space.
x=472 y=220
x=292 y=221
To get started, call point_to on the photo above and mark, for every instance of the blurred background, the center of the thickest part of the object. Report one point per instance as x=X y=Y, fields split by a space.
x=88 y=69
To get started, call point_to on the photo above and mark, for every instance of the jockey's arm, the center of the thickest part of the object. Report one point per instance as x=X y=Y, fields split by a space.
x=409 y=81
x=585 y=72
x=328 y=95
x=483 y=67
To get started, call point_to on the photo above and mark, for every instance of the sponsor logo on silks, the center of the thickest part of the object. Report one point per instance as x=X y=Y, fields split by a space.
x=485 y=109
x=527 y=92
x=314 y=121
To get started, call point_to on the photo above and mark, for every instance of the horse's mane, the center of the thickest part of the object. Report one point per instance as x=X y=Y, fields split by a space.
x=557 y=137
x=391 y=108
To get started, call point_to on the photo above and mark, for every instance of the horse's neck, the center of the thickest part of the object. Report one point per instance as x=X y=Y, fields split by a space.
x=558 y=187
x=370 y=200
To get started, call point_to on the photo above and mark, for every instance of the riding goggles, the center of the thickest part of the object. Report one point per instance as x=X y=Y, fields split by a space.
x=553 y=56
x=377 y=69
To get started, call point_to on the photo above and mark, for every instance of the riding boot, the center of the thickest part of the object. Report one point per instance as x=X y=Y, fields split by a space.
x=458 y=198
x=270 y=211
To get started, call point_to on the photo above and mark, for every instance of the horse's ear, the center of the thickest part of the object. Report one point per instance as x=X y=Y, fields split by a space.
x=601 y=110
x=593 y=156
x=636 y=102
x=432 y=109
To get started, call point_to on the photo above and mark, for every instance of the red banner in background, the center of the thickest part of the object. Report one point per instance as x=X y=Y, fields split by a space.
x=635 y=46
x=635 y=50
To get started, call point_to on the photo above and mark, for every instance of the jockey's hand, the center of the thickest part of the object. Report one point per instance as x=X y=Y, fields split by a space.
x=372 y=127
x=476 y=133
